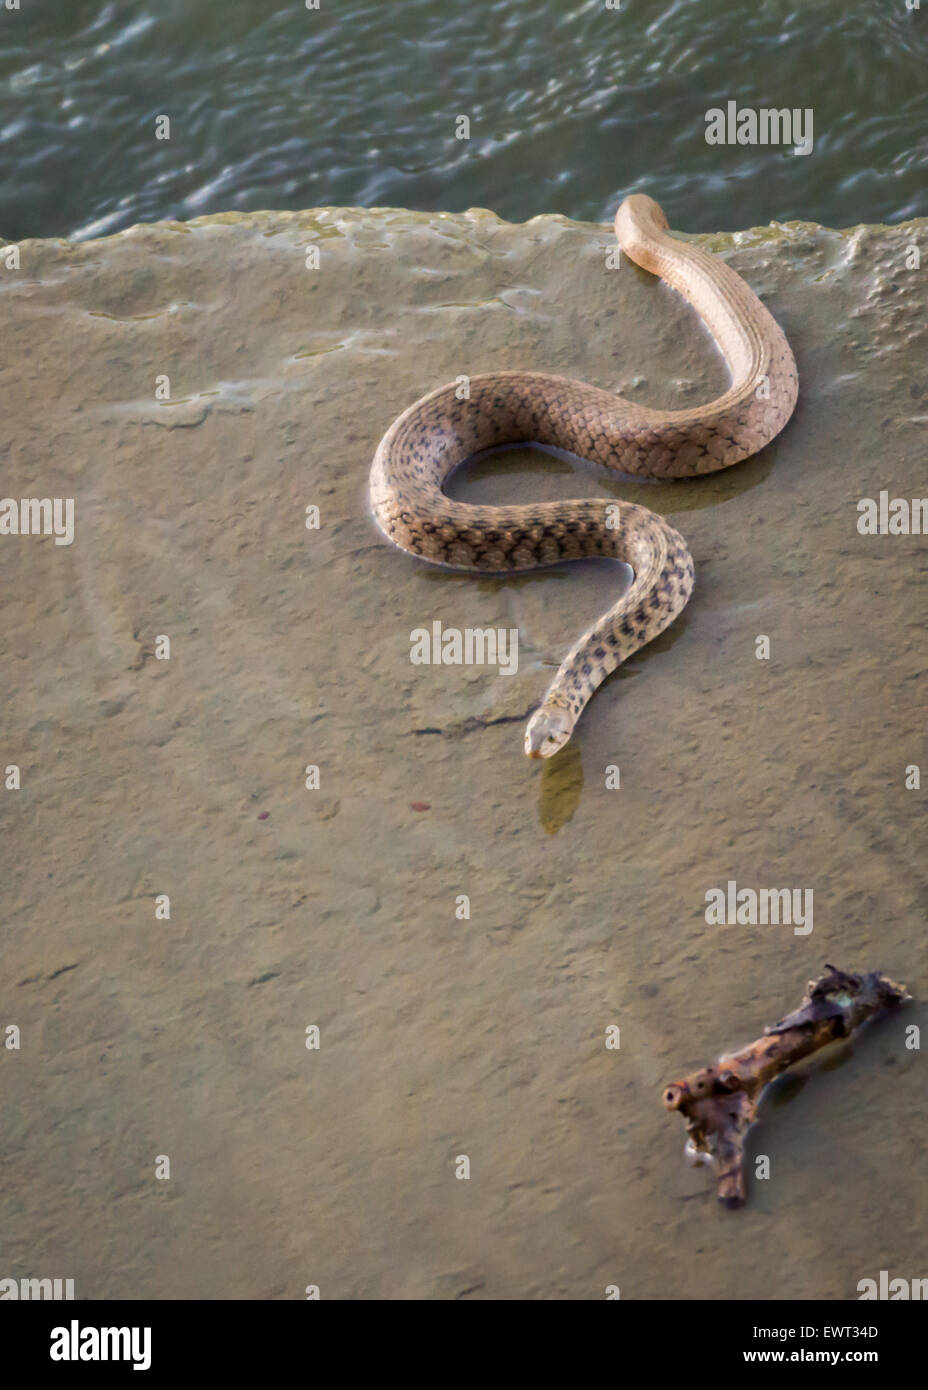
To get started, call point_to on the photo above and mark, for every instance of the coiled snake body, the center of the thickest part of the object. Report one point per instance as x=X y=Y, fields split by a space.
x=424 y=445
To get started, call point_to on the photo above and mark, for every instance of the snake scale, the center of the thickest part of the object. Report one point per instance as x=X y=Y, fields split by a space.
x=428 y=441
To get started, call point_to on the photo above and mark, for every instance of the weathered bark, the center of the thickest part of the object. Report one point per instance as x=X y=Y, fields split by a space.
x=720 y=1103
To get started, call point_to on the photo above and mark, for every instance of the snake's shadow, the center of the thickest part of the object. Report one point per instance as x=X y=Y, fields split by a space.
x=496 y=478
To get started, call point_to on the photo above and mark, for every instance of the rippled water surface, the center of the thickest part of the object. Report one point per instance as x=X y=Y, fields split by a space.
x=571 y=106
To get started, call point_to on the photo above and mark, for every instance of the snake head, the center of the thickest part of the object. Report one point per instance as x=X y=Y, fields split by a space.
x=547 y=731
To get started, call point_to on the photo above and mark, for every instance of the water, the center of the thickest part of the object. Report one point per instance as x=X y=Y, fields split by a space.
x=571 y=107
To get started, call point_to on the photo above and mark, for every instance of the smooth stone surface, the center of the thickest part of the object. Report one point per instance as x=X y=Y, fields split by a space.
x=441 y=1037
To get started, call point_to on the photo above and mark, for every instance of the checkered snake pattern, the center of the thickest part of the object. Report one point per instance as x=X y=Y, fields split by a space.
x=428 y=441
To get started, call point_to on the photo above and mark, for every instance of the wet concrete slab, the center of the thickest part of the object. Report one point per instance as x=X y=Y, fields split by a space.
x=291 y=341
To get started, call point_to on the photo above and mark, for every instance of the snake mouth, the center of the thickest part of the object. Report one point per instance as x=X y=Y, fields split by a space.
x=546 y=732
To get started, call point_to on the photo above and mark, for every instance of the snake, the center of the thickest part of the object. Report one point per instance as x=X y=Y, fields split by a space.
x=450 y=424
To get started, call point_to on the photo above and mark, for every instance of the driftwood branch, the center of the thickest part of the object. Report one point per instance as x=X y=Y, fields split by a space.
x=720 y=1103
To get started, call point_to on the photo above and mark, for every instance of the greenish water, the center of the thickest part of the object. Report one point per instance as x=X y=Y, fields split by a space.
x=571 y=106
